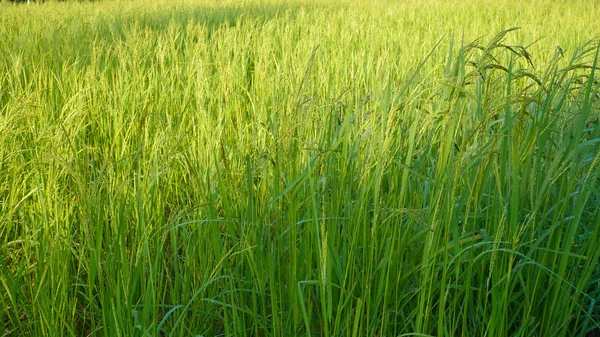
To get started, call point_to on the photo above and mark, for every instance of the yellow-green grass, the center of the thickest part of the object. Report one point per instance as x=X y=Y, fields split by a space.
x=348 y=168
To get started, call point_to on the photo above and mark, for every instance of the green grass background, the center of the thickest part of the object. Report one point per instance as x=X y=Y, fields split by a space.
x=257 y=168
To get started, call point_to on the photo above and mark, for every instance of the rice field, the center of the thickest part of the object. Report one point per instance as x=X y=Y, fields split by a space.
x=300 y=168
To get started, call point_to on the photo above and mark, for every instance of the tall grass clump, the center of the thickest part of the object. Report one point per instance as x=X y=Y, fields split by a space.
x=307 y=169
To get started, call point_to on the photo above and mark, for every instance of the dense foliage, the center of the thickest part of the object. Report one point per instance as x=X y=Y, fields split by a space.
x=351 y=169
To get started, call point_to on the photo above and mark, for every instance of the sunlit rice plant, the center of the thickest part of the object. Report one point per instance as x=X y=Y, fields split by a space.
x=302 y=169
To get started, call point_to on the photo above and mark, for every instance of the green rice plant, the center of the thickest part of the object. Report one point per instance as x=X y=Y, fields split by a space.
x=308 y=168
